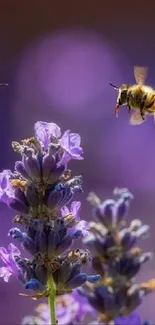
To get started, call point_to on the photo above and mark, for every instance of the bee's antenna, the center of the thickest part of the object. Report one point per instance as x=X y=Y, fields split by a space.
x=113 y=86
x=4 y=84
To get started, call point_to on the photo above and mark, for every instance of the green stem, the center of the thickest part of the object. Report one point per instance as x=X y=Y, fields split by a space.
x=51 y=300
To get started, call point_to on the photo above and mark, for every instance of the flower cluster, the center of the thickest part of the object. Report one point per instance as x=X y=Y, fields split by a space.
x=71 y=309
x=39 y=190
x=118 y=259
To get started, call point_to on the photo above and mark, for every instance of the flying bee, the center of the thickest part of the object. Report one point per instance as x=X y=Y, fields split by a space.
x=138 y=97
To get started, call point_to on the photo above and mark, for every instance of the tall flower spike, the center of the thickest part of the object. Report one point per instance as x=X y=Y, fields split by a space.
x=40 y=189
x=118 y=260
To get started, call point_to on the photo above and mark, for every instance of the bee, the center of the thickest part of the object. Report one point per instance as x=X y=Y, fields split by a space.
x=138 y=97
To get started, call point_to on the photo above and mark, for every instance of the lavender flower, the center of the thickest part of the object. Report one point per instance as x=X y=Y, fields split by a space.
x=8 y=258
x=39 y=190
x=70 y=310
x=116 y=258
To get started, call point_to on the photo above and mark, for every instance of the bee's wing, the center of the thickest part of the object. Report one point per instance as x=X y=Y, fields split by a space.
x=140 y=74
x=136 y=119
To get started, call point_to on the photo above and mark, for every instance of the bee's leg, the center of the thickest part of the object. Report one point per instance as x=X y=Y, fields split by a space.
x=128 y=107
x=142 y=113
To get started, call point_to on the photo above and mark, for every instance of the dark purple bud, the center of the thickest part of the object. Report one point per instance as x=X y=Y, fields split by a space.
x=53 y=240
x=54 y=199
x=76 y=281
x=48 y=164
x=20 y=195
x=62 y=232
x=19 y=167
x=67 y=196
x=128 y=240
x=26 y=241
x=35 y=225
x=32 y=196
x=55 y=174
x=41 y=274
x=32 y=166
x=41 y=242
x=60 y=196
x=18 y=205
x=64 y=245
x=122 y=206
x=128 y=266
x=105 y=213
x=29 y=245
x=64 y=273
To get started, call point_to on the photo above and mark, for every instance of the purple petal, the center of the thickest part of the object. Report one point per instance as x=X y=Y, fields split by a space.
x=13 y=250
x=84 y=227
x=64 y=211
x=44 y=131
x=75 y=139
x=76 y=152
x=4 y=178
x=65 y=140
x=75 y=208
x=5 y=273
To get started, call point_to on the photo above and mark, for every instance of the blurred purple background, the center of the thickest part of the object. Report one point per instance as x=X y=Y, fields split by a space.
x=58 y=60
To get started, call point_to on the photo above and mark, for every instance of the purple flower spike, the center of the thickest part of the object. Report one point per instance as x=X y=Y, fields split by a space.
x=45 y=131
x=8 y=258
x=70 y=143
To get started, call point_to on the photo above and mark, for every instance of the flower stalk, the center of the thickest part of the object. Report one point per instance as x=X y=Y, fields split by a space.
x=51 y=300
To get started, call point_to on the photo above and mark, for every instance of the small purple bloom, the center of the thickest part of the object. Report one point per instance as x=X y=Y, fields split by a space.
x=8 y=258
x=80 y=225
x=45 y=131
x=6 y=189
x=70 y=142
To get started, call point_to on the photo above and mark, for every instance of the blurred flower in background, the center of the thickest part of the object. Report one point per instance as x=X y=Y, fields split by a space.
x=70 y=310
x=117 y=257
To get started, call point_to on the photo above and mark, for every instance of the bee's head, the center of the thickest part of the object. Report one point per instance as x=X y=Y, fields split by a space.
x=122 y=95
